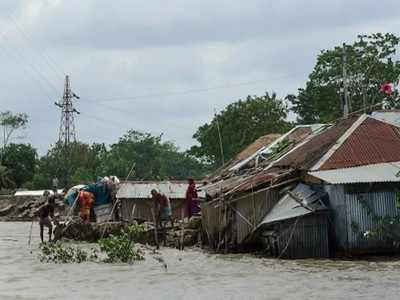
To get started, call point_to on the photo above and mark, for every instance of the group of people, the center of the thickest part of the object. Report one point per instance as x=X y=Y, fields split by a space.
x=163 y=208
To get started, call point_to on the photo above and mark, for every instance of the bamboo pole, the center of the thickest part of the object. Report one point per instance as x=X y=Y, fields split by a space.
x=155 y=229
x=133 y=211
x=30 y=236
x=181 y=246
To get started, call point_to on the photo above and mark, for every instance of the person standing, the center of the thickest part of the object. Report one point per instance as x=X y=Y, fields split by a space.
x=162 y=207
x=55 y=186
x=45 y=213
x=192 y=206
x=86 y=200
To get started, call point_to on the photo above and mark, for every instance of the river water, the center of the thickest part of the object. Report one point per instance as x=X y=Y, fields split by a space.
x=191 y=274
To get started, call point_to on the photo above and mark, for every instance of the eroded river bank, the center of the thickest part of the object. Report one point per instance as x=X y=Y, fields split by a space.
x=191 y=274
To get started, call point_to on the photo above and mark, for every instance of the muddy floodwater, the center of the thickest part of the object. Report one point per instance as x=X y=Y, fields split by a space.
x=191 y=274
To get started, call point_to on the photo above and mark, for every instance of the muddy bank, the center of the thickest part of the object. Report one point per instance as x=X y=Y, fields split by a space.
x=25 y=208
x=175 y=237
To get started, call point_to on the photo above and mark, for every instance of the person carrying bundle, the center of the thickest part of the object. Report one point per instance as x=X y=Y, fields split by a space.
x=86 y=199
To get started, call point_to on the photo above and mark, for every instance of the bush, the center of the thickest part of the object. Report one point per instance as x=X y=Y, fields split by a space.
x=118 y=248
x=59 y=253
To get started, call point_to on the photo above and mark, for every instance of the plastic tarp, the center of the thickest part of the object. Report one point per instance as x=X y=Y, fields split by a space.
x=101 y=193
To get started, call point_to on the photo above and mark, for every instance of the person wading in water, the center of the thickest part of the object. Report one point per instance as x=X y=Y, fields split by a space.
x=45 y=213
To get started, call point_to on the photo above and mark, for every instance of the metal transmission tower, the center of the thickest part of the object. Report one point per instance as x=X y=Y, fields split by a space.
x=67 y=124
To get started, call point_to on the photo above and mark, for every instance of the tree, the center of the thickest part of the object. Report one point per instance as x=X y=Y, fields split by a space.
x=5 y=178
x=10 y=123
x=152 y=158
x=20 y=160
x=78 y=163
x=240 y=123
x=370 y=63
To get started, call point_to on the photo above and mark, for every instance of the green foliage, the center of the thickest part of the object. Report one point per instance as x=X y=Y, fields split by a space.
x=5 y=178
x=280 y=148
x=154 y=159
x=20 y=159
x=10 y=123
x=370 y=63
x=59 y=253
x=120 y=248
x=241 y=123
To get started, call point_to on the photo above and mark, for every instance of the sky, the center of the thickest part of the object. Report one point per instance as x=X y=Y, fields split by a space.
x=164 y=66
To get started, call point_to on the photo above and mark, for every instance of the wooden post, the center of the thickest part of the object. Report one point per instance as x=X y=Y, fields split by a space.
x=133 y=211
x=155 y=229
x=182 y=239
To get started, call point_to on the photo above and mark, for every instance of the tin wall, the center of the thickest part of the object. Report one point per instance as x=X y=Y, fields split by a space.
x=249 y=212
x=359 y=219
x=212 y=221
x=305 y=238
x=352 y=217
x=143 y=209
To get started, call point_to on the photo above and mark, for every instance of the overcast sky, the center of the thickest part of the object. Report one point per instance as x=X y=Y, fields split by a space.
x=164 y=66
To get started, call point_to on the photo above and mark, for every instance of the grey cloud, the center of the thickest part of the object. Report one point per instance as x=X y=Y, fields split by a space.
x=123 y=49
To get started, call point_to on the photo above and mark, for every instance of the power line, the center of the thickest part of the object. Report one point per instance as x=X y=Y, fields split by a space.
x=13 y=56
x=49 y=61
x=32 y=66
x=191 y=91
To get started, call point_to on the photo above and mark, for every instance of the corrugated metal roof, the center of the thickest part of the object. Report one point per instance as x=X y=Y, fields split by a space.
x=296 y=135
x=223 y=186
x=373 y=141
x=306 y=155
x=302 y=200
x=142 y=189
x=383 y=172
x=391 y=116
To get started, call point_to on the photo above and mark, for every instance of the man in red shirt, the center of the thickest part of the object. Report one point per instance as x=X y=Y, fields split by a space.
x=192 y=206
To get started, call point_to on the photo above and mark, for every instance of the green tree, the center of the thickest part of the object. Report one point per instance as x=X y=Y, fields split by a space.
x=152 y=158
x=20 y=160
x=79 y=163
x=10 y=123
x=240 y=123
x=370 y=63
x=5 y=178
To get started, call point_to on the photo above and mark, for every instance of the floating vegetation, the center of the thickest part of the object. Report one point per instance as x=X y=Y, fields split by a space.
x=118 y=248
x=59 y=253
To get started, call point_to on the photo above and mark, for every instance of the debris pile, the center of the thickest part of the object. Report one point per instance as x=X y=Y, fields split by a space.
x=25 y=208
x=169 y=236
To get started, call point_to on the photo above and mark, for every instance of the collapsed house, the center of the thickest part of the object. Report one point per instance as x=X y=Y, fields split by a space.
x=137 y=204
x=349 y=168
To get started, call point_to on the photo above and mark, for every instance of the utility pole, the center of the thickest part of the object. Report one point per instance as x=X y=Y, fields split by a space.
x=67 y=132
x=219 y=137
x=346 y=104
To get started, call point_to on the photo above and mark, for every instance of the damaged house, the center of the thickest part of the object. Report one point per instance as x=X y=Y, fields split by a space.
x=316 y=195
x=136 y=202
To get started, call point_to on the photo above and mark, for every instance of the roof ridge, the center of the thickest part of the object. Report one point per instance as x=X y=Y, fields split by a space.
x=339 y=143
x=384 y=121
